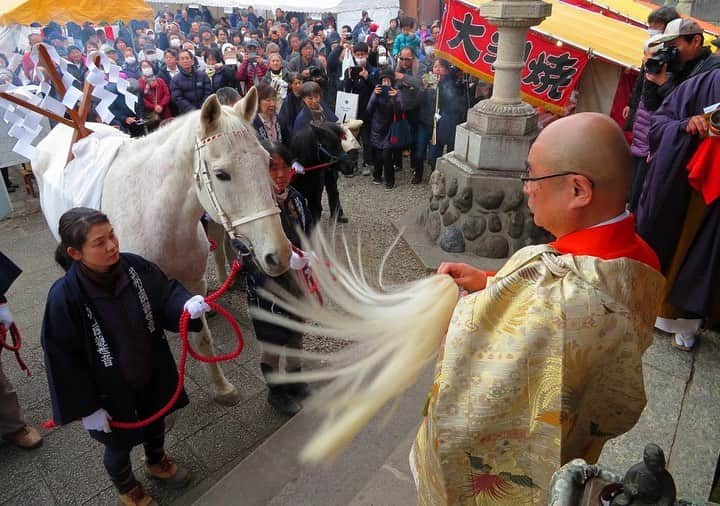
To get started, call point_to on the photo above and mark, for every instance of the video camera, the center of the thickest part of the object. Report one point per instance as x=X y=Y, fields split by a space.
x=654 y=64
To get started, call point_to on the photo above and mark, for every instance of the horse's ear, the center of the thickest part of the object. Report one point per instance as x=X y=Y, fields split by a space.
x=210 y=113
x=247 y=107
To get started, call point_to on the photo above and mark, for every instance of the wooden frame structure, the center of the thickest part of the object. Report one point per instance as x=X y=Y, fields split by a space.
x=78 y=116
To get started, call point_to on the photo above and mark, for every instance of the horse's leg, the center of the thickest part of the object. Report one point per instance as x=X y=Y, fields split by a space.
x=217 y=233
x=224 y=392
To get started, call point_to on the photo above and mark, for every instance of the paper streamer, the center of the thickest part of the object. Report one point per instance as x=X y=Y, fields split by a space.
x=26 y=124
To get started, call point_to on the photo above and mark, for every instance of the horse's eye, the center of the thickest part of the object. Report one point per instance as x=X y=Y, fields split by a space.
x=222 y=175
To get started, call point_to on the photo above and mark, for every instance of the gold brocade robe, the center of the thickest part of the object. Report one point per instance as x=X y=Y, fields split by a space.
x=542 y=366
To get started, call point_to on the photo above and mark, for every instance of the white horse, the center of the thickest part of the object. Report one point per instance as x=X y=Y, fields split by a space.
x=158 y=186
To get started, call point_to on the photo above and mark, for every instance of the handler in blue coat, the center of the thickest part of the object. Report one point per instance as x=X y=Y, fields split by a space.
x=106 y=354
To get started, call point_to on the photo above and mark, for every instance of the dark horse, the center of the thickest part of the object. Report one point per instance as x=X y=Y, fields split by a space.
x=318 y=148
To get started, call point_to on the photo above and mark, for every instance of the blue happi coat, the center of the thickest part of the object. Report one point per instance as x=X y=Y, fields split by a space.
x=81 y=360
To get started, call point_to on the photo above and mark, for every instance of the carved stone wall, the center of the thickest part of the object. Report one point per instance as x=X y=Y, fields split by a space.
x=481 y=213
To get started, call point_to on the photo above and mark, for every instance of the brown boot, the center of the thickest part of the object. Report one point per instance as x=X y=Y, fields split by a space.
x=169 y=472
x=27 y=438
x=137 y=497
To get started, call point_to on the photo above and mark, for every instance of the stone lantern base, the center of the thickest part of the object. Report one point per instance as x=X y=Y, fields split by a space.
x=477 y=216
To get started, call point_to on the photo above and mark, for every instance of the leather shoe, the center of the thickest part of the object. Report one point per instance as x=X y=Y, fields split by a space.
x=27 y=438
x=299 y=390
x=280 y=399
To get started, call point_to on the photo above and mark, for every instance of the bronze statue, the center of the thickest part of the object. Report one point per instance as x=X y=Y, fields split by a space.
x=648 y=482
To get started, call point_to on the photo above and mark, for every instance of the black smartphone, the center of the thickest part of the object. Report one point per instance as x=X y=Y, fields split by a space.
x=355 y=72
x=384 y=90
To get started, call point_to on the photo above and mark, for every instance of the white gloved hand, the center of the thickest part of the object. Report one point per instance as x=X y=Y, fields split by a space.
x=99 y=421
x=297 y=167
x=6 y=317
x=196 y=306
x=298 y=262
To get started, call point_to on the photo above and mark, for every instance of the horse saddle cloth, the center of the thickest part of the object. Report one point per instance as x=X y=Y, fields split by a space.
x=78 y=183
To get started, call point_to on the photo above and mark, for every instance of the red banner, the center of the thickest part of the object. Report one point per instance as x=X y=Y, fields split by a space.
x=551 y=72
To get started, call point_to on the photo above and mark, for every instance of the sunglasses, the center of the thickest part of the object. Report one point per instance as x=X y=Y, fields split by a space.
x=406 y=59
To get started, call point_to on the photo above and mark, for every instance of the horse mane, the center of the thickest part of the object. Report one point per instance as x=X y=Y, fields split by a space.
x=394 y=330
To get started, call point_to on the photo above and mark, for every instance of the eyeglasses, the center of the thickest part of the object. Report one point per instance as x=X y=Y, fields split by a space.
x=405 y=59
x=526 y=178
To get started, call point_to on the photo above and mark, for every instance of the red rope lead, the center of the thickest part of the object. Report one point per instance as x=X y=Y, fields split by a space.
x=15 y=347
x=186 y=348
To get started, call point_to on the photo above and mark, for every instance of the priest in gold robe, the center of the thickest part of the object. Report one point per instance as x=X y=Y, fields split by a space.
x=542 y=362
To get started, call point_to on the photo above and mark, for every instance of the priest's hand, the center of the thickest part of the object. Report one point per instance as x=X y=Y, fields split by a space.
x=697 y=125
x=465 y=276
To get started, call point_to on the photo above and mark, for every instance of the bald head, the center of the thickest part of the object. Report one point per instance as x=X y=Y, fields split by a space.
x=591 y=144
x=589 y=153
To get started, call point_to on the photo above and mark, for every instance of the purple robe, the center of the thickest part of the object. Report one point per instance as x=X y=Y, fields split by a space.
x=666 y=194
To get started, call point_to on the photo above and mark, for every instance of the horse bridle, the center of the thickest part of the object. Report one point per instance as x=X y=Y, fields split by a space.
x=208 y=197
x=332 y=159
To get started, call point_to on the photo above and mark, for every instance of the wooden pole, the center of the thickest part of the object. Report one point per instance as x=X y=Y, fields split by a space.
x=23 y=103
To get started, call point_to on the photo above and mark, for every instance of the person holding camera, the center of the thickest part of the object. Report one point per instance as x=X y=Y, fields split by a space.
x=382 y=108
x=361 y=80
x=307 y=65
x=683 y=56
x=253 y=68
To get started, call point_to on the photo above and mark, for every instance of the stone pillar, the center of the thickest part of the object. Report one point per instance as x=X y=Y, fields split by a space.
x=477 y=211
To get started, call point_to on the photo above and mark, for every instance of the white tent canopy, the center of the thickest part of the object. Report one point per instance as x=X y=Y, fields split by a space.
x=348 y=12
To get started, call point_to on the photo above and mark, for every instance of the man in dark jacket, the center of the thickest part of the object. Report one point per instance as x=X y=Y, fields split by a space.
x=691 y=59
x=189 y=87
x=12 y=426
x=76 y=67
x=361 y=80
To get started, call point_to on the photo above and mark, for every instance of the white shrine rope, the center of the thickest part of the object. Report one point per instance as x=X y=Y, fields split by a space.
x=205 y=185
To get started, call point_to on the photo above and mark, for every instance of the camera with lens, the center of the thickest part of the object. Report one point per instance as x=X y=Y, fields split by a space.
x=314 y=71
x=654 y=64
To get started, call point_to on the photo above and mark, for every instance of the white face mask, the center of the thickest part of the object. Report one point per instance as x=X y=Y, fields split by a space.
x=230 y=61
x=382 y=60
x=130 y=60
x=653 y=31
x=429 y=50
x=175 y=43
x=147 y=71
x=361 y=61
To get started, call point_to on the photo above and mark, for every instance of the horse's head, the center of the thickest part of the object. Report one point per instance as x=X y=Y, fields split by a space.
x=329 y=137
x=233 y=182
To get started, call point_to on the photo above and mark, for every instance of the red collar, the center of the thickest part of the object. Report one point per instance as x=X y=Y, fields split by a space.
x=609 y=242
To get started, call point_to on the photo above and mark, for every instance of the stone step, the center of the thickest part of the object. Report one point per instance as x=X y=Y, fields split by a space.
x=271 y=475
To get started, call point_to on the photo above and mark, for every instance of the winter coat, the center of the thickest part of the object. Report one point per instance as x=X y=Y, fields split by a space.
x=82 y=360
x=157 y=95
x=78 y=73
x=363 y=88
x=283 y=135
x=451 y=107
x=294 y=215
x=412 y=41
x=9 y=272
x=305 y=116
x=132 y=70
x=297 y=64
x=381 y=110
x=290 y=109
x=640 y=146
x=251 y=74
x=189 y=90
x=225 y=77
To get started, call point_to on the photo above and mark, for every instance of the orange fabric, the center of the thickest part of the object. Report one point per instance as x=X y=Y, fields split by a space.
x=616 y=240
x=704 y=169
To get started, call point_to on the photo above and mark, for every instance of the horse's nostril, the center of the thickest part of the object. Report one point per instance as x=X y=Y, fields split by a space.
x=272 y=260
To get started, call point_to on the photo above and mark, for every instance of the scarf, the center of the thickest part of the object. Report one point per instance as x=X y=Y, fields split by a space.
x=105 y=280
